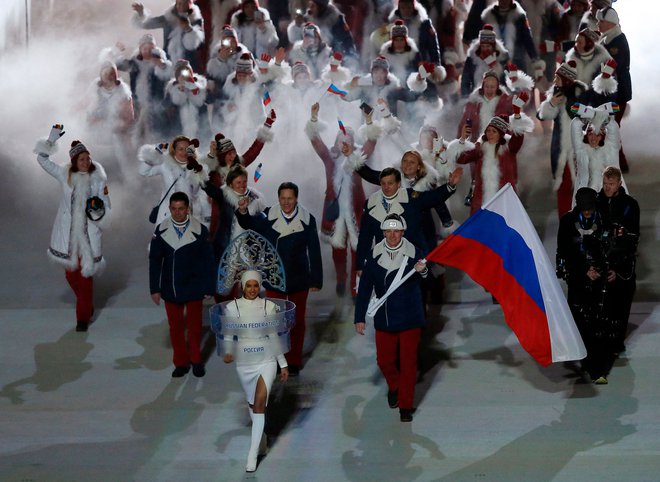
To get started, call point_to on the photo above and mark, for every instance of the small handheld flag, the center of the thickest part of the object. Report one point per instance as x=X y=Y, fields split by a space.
x=266 y=98
x=257 y=173
x=341 y=126
x=333 y=89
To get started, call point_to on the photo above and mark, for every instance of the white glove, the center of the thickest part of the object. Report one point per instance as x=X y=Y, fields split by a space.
x=56 y=132
x=586 y=111
x=609 y=107
x=384 y=110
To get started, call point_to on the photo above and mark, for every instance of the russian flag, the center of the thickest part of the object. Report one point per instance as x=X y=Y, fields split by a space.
x=333 y=89
x=499 y=248
x=266 y=98
x=341 y=126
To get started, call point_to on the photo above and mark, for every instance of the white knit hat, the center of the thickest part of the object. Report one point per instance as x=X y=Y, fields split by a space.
x=244 y=64
x=147 y=38
x=499 y=123
x=487 y=34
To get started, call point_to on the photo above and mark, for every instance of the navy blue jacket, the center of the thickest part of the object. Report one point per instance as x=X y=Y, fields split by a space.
x=523 y=39
x=412 y=204
x=404 y=308
x=181 y=269
x=297 y=243
x=427 y=42
x=620 y=51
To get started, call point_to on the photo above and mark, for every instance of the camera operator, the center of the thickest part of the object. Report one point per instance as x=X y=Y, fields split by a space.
x=620 y=217
x=583 y=260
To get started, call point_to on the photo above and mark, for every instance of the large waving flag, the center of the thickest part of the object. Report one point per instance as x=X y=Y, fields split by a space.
x=500 y=249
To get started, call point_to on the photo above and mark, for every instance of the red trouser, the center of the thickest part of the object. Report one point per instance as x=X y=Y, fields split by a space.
x=401 y=346
x=299 y=298
x=565 y=192
x=339 y=256
x=184 y=356
x=83 y=288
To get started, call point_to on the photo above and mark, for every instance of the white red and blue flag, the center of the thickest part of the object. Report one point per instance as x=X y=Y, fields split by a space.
x=333 y=89
x=499 y=248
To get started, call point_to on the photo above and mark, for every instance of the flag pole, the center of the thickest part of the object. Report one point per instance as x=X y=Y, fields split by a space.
x=325 y=91
x=264 y=107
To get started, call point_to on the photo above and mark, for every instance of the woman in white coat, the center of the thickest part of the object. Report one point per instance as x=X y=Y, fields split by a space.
x=179 y=170
x=256 y=372
x=83 y=212
x=596 y=144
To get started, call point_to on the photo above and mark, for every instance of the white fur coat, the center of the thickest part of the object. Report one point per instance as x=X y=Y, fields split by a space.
x=153 y=163
x=591 y=162
x=74 y=235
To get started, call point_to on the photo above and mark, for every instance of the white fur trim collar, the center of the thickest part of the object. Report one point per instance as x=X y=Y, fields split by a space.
x=189 y=236
x=383 y=259
x=377 y=210
x=285 y=226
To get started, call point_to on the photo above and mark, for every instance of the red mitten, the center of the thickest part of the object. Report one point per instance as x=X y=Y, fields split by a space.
x=271 y=118
x=422 y=71
x=512 y=71
x=608 y=68
x=548 y=46
x=193 y=165
x=519 y=101
x=524 y=96
x=491 y=61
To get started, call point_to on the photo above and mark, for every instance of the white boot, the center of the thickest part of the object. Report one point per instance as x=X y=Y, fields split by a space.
x=258 y=421
x=263 y=444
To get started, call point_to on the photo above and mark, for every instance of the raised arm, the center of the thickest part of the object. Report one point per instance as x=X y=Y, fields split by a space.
x=47 y=146
x=264 y=134
x=313 y=128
